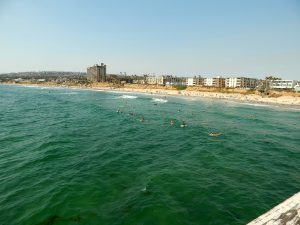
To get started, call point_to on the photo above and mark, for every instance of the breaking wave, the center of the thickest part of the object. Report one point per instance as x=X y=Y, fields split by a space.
x=160 y=100
x=128 y=97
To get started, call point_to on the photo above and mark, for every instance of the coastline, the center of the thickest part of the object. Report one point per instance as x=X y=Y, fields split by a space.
x=292 y=101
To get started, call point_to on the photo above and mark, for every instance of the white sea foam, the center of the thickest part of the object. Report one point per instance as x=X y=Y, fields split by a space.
x=38 y=87
x=257 y=104
x=128 y=97
x=69 y=93
x=29 y=86
x=160 y=100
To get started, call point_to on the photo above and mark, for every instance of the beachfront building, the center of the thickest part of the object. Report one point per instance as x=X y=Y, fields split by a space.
x=241 y=82
x=165 y=80
x=297 y=87
x=173 y=80
x=283 y=84
x=208 y=82
x=190 y=81
x=194 y=81
x=160 y=80
x=97 y=73
x=218 y=82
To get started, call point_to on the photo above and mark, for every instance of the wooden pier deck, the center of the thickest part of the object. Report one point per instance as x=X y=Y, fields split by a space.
x=286 y=213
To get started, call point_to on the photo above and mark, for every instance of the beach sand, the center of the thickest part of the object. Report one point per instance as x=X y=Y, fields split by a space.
x=287 y=100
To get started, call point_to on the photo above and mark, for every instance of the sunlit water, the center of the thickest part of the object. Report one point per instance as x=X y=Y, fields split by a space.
x=68 y=156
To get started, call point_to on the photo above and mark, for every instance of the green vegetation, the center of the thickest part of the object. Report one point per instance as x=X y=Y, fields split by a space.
x=180 y=87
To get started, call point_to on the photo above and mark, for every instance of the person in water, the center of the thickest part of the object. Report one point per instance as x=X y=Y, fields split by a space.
x=142 y=119
x=172 y=122
x=212 y=134
x=182 y=124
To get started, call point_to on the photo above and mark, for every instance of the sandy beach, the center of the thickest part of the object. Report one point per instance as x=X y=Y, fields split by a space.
x=287 y=100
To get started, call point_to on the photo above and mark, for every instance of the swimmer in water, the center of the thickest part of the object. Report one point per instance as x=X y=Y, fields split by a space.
x=142 y=119
x=182 y=124
x=119 y=110
x=215 y=134
x=172 y=122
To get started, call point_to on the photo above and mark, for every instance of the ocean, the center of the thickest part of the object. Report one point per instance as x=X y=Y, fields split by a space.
x=71 y=156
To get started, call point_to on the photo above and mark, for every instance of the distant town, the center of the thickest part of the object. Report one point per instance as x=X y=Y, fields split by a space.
x=98 y=74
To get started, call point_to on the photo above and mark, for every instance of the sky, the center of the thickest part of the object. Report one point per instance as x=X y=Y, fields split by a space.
x=253 y=38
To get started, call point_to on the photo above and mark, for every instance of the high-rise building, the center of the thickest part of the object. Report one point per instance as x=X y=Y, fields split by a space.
x=97 y=73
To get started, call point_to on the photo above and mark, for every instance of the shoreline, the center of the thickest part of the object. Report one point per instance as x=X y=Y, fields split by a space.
x=290 y=101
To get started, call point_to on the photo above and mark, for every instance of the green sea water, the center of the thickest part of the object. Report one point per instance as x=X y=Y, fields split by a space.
x=68 y=157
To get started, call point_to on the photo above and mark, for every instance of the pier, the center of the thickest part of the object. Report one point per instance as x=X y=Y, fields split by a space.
x=286 y=213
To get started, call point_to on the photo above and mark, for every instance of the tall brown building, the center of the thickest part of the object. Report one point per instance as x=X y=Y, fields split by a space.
x=97 y=73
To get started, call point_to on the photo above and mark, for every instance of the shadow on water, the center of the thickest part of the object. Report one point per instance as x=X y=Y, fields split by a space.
x=56 y=218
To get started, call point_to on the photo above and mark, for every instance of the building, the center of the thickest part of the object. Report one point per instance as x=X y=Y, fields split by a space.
x=241 y=82
x=160 y=80
x=218 y=82
x=297 y=87
x=173 y=80
x=190 y=81
x=283 y=84
x=208 y=82
x=194 y=81
x=151 y=80
x=97 y=73
x=165 y=80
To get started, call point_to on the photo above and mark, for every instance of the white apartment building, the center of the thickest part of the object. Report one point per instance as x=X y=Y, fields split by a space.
x=190 y=81
x=208 y=82
x=283 y=84
x=241 y=82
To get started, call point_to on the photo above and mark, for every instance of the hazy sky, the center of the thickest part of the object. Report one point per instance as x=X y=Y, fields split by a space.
x=182 y=37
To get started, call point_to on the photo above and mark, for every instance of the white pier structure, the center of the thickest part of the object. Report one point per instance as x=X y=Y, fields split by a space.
x=286 y=213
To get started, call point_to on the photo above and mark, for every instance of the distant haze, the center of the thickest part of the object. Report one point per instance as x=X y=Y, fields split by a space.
x=252 y=38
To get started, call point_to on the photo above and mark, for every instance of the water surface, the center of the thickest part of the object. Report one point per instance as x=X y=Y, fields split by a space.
x=68 y=157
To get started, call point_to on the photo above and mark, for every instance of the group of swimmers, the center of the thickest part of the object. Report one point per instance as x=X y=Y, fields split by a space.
x=172 y=122
x=142 y=118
